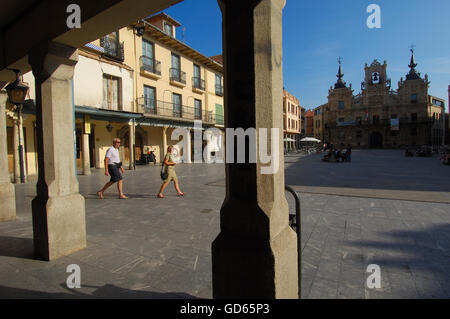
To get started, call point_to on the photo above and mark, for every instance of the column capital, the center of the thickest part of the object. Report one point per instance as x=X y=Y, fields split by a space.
x=48 y=58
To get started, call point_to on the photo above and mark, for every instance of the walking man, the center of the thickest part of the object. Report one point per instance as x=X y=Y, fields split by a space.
x=113 y=167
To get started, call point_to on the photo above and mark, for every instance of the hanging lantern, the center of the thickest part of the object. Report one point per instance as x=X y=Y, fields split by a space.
x=17 y=90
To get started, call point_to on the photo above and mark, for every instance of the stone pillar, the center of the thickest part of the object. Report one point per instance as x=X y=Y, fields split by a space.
x=7 y=192
x=16 y=150
x=132 y=141
x=22 y=142
x=59 y=223
x=255 y=254
x=164 y=150
x=86 y=156
x=188 y=149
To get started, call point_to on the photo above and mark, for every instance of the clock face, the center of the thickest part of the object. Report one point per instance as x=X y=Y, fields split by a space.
x=375 y=77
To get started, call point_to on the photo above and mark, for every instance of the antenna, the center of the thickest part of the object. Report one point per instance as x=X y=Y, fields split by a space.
x=183 y=29
x=340 y=59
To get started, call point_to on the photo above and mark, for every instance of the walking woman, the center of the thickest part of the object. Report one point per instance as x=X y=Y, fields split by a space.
x=172 y=176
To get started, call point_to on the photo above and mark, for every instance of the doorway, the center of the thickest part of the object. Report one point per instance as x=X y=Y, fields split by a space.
x=376 y=140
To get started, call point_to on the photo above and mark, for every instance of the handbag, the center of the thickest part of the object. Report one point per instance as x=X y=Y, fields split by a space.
x=164 y=173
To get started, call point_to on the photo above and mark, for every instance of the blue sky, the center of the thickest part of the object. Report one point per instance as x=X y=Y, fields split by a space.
x=316 y=33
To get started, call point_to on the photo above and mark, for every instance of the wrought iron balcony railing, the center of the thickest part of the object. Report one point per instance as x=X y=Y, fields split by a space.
x=171 y=110
x=150 y=65
x=219 y=90
x=113 y=49
x=177 y=75
x=198 y=83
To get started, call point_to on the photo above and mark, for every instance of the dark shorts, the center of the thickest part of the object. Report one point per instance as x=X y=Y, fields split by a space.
x=114 y=172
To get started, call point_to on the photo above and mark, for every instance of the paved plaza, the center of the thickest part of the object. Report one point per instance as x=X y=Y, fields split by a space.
x=381 y=208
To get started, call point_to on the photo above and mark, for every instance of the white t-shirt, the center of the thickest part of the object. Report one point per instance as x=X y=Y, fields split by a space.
x=113 y=155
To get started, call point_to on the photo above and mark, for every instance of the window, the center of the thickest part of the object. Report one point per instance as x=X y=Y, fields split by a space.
x=198 y=109
x=358 y=134
x=175 y=71
x=414 y=131
x=111 y=92
x=341 y=119
x=376 y=119
x=197 y=79
x=413 y=98
x=394 y=133
x=111 y=45
x=150 y=99
x=176 y=100
x=359 y=120
x=341 y=105
x=393 y=116
x=168 y=29
x=437 y=103
x=219 y=87
x=148 y=49
x=413 y=117
x=148 y=62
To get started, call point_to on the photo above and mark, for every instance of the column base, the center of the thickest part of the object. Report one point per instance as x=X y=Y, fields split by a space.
x=59 y=226
x=7 y=202
x=245 y=268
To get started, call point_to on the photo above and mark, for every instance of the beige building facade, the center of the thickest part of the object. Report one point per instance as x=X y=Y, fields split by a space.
x=292 y=120
x=138 y=84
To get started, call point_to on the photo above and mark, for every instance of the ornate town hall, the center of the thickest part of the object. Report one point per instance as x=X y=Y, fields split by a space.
x=380 y=117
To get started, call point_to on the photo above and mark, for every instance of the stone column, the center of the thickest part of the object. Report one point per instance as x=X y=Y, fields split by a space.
x=164 y=150
x=132 y=141
x=86 y=156
x=16 y=150
x=7 y=192
x=188 y=149
x=24 y=154
x=255 y=254
x=59 y=223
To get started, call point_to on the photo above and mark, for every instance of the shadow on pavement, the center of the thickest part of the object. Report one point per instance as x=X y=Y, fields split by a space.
x=106 y=291
x=422 y=255
x=17 y=247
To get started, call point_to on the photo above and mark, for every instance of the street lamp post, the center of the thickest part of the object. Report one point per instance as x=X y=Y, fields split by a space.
x=17 y=91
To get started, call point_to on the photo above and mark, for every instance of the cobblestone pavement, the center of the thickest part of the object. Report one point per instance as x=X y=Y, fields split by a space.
x=146 y=247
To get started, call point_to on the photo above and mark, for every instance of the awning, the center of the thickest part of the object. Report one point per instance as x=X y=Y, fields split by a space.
x=105 y=115
x=310 y=139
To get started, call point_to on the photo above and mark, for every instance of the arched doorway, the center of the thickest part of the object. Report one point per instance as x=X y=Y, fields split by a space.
x=376 y=140
x=139 y=145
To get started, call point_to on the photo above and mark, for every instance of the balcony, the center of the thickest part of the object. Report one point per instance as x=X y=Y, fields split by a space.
x=177 y=77
x=219 y=90
x=150 y=67
x=112 y=49
x=168 y=110
x=198 y=84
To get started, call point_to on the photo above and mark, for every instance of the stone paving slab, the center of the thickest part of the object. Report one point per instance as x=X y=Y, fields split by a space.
x=150 y=248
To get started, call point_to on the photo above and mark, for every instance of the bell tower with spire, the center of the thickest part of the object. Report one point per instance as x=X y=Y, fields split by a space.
x=340 y=97
x=339 y=105
x=414 y=89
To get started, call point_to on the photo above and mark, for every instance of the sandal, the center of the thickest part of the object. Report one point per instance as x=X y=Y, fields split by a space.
x=160 y=196
x=100 y=194
x=180 y=194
